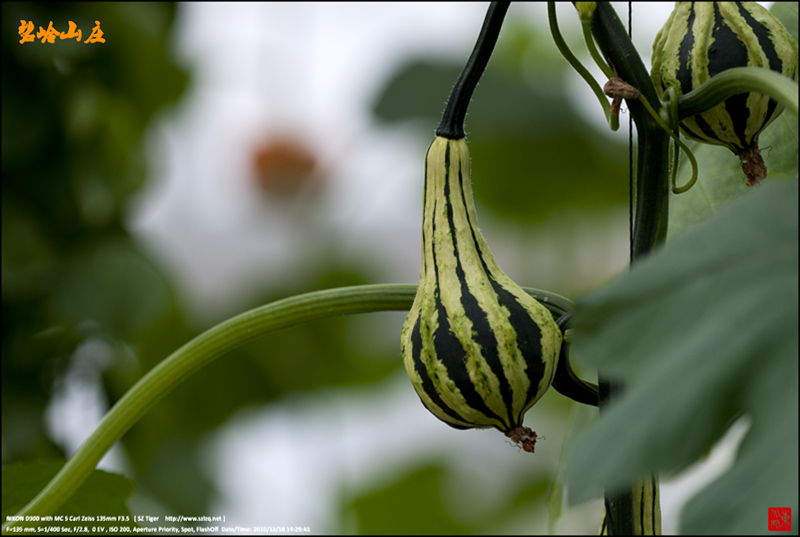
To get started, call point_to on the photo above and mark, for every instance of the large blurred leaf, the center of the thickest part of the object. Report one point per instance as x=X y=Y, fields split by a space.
x=530 y=178
x=103 y=493
x=423 y=500
x=113 y=285
x=700 y=333
x=412 y=505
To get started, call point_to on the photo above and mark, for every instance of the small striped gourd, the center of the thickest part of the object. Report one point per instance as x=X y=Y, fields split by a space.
x=479 y=350
x=702 y=39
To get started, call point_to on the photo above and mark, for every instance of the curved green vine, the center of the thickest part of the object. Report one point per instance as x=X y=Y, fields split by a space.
x=585 y=12
x=674 y=134
x=213 y=344
x=739 y=80
x=563 y=48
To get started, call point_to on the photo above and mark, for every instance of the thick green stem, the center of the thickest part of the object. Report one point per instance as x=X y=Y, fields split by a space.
x=214 y=343
x=651 y=184
x=651 y=193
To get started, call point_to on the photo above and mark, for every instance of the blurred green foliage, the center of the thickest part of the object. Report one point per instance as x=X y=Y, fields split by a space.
x=417 y=502
x=73 y=116
x=103 y=492
x=71 y=126
x=73 y=120
x=420 y=495
x=533 y=154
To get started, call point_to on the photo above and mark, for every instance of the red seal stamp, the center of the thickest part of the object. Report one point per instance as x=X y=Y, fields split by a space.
x=780 y=519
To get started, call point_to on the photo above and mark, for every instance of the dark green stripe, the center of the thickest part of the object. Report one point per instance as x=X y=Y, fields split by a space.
x=642 y=508
x=655 y=508
x=766 y=44
x=706 y=132
x=482 y=331
x=727 y=50
x=424 y=207
x=684 y=72
x=528 y=333
x=451 y=353
x=528 y=341
x=448 y=348
x=427 y=384
x=772 y=105
x=736 y=107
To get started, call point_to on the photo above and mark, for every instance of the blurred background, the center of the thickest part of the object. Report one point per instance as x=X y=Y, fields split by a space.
x=209 y=158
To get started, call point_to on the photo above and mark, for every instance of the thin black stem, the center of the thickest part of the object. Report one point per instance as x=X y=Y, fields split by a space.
x=566 y=381
x=452 y=124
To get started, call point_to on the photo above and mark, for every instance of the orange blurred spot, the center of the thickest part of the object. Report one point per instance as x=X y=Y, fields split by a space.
x=284 y=167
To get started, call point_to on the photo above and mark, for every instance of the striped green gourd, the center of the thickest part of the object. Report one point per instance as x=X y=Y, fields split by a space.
x=702 y=39
x=478 y=349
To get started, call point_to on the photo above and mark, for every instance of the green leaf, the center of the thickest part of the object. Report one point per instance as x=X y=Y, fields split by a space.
x=103 y=493
x=545 y=177
x=410 y=506
x=787 y=14
x=700 y=333
x=114 y=286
